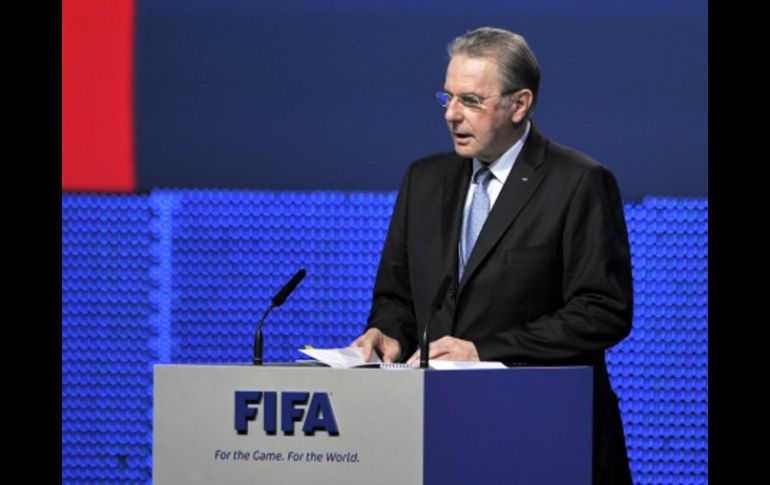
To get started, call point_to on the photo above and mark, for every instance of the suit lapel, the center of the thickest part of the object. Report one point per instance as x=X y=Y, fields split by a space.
x=454 y=189
x=454 y=186
x=522 y=182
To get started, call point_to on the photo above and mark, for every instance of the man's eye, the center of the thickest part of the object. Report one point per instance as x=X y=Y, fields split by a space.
x=469 y=100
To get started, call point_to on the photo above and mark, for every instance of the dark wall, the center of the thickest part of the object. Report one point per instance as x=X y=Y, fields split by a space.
x=339 y=94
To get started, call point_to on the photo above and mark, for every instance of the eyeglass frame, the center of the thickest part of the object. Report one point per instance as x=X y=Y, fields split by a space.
x=463 y=99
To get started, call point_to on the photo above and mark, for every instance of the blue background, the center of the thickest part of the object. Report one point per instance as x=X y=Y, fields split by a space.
x=291 y=94
x=183 y=276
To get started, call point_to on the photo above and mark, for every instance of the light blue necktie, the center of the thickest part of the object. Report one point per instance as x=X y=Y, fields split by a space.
x=477 y=214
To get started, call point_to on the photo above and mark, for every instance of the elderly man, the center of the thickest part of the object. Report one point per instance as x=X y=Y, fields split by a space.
x=531 y=233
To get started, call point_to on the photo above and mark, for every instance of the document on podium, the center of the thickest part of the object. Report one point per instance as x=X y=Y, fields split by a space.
x=349 y=357
x=344 y=358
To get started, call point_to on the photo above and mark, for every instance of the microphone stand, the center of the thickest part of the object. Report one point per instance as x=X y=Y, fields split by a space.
x=258 y=338
x=425 y=347
x=277 y=300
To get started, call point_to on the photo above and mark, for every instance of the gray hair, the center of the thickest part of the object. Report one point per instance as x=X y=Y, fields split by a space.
x=517 y=65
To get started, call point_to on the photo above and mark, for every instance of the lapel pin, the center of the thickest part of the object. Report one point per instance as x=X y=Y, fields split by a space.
x=524 y=179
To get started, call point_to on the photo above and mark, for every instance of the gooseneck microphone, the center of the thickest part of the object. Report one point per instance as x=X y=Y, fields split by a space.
x=278 y=300
x=437 y=300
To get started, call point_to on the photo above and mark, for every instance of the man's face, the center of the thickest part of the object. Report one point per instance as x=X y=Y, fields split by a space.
x=485 y=132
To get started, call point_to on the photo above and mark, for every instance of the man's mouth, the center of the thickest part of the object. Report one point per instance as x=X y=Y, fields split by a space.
x=462 y=137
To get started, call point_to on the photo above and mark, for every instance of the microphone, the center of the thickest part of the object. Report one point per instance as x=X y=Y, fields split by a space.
x=437 y=300
x=281 y=296
x=278 y=300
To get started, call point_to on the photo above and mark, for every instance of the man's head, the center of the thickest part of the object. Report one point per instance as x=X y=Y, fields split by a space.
x=491 y=88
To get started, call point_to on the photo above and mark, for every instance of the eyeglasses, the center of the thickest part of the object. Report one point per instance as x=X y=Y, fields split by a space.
x=470 y=101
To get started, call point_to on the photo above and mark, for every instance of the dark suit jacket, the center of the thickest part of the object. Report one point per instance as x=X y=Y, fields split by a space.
x=548 y=282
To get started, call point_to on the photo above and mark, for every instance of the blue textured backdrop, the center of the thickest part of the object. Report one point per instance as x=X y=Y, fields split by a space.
x=182 y=276
x=338 y=94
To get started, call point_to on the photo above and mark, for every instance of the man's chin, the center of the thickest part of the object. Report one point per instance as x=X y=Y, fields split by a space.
x=464 y=151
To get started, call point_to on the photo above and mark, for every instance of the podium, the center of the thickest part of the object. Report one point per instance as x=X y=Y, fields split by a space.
x=272 y=424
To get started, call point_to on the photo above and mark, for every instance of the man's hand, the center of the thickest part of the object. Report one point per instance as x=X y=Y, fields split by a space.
x=373 y=339
x=449 y=348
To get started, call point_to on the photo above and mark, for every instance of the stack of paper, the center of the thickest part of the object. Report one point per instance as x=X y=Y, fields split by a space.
x=343 y=358
x=348 y=357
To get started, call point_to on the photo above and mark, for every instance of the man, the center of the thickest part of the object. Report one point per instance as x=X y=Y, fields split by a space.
x=531 y=233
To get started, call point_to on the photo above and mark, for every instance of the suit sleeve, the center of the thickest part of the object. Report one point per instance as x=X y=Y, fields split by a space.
x=596 y=284
x=392 y=308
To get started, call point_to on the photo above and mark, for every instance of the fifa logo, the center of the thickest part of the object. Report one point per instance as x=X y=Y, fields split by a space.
x=313 y=410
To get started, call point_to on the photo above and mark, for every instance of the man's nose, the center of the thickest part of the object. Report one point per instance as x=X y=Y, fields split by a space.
x=453 y=111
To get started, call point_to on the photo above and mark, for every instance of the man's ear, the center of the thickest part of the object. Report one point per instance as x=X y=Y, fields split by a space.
x=522 y=101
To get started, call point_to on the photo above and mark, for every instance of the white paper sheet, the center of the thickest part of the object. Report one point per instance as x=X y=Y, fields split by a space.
x=347 y=357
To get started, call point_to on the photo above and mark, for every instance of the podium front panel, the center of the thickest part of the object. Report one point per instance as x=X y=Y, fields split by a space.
x=514 y=426
x=378 y=416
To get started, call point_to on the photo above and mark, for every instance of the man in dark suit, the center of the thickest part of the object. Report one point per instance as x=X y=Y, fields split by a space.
x=531 y=233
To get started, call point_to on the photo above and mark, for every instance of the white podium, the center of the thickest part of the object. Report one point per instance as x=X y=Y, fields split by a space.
x=241 y=424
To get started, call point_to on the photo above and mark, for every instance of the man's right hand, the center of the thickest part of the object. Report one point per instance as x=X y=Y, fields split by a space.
x=372 y=339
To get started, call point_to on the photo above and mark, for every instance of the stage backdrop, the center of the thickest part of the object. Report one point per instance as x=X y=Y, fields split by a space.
x=298 y=95
x=183 y=277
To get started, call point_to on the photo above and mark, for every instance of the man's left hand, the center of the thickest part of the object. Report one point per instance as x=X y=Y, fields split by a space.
x=449 y=348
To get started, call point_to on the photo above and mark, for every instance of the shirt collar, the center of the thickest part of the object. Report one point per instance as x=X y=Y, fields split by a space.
x=501 y=167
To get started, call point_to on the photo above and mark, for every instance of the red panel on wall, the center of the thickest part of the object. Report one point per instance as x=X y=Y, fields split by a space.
x=97 y=95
